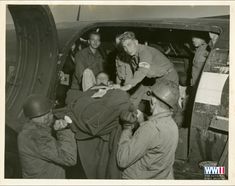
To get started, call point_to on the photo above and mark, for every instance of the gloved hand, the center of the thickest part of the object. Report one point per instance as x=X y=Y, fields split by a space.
x=132 y=108
x=60 y=124
x=129 y=117
x=126 y=87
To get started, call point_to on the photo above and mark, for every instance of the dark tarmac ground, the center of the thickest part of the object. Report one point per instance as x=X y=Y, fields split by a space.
x=184 y=170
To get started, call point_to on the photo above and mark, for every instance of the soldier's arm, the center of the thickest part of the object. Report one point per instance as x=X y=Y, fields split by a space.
x=139 y=75
x=118 y=81
x=62 y=151
x=79 y=68
x=145 y=58
x=119 y=71
x=202 y=55
x=132 y=148
x=200 y=60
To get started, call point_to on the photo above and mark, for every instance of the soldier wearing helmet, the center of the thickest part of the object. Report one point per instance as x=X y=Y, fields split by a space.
x=41 y=154
x=149 y=153
x=146 y=62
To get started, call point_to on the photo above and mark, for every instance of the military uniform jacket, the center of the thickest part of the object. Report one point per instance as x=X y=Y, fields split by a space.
x=86 y=59
x=149 y=62
x=124 y=72
x=150 y=152
x=123 y=67
x=198 y=63
x=42 y=156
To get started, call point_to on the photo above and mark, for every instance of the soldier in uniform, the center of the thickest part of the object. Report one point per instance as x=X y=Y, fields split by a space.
x=42 y=155
x=149 y=153
x=200 y=41
x=88 y=58
x=146 y=62
x=202 y=50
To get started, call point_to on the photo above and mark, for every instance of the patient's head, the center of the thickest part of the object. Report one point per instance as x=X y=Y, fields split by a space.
x=102 y=78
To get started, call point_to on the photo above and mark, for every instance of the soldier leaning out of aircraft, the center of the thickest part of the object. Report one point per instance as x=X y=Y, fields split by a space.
x=88 y=58
x=149 y=153
x=200 y=42
x=41 y=154
x=146 y=62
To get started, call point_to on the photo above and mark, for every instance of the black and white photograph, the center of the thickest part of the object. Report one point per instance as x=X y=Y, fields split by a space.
x=117 y=92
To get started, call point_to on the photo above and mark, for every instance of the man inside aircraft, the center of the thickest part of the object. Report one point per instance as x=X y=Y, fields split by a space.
x=145 y=62
x=88 y=58
x=200 y=41
x=43 y=155
x=149 y=153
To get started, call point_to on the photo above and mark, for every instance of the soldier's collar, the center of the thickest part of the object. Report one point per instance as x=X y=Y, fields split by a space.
x=161 y=115
x=90 y=51
x=41 y=126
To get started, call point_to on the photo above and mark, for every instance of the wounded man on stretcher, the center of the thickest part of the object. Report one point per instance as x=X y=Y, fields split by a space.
x=96 y=124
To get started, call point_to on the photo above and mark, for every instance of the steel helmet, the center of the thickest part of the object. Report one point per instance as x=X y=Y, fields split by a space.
x=167 y=91
x=36 y=105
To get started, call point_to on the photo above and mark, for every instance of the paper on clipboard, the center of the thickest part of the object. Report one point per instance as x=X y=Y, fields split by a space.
x=210 y=88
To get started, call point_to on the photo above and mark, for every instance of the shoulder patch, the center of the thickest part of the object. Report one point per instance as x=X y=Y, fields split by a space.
x=144 y=65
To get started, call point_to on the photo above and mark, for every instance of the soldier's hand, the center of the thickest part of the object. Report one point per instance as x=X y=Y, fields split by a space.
x=126 y=87
x=128 y=119
x=114 y=86
x=60 y=124
x=140 y=116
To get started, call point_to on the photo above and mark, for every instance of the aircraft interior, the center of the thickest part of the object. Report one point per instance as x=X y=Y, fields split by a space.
x=176 y=44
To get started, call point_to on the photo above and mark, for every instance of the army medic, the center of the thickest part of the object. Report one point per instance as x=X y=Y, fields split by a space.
x=146 y=62
x=149 y=153
x=41 y=154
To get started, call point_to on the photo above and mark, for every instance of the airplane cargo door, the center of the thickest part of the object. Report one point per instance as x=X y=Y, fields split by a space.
x=36 y=51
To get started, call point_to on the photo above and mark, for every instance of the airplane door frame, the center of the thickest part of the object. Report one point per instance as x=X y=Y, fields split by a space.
x=37 y=54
